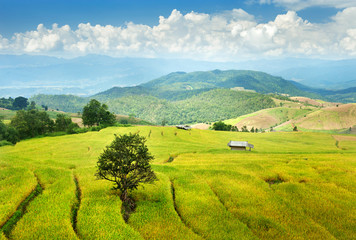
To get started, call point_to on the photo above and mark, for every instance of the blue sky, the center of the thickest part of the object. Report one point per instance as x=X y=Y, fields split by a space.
x=25 y=15
x=220 y=29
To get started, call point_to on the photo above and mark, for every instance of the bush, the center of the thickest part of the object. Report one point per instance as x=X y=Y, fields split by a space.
x=95 y=128
x=8 y=133
x=122 y=125
x=221 y=126
x=71 y=129
x=4 y=143
x=124 y=121
x=62 y=122
x=80 y=130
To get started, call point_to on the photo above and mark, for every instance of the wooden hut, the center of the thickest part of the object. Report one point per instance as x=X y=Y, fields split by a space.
x=185 y=127
x=240 y=146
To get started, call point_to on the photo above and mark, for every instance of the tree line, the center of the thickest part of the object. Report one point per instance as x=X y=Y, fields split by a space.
x=32 y=122
x=221 y=126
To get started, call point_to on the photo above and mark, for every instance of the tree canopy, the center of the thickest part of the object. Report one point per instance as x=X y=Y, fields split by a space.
x=221 y=126
x=95 y=113
x=32 y=123
x=126 y=162
x=8 y=133
x=62 y=122
x=20 y=103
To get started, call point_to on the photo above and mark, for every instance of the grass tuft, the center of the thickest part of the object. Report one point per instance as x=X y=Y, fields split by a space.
x=274 y=180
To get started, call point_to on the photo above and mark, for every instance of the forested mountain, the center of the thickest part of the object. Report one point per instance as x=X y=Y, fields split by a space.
x=209 y=106
x=117 y=92
x=181 y=85
x=347 y=95
x=67 y=103
x=27 y=75
x=193 y=97
x=253 y=80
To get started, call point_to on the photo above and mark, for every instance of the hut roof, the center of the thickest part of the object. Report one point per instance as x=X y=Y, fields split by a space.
x=185 y=127
x=239 y=144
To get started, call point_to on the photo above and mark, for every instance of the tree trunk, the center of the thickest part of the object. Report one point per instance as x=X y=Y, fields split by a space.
x=124 y=196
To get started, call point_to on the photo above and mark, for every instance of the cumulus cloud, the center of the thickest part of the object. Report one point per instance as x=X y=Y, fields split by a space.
x=297 y=5
x=230 y=35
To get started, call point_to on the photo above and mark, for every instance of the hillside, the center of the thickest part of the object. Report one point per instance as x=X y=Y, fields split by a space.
x=208 y=106
x=67 y=103
x=252 y=80
x=291 y=185
x=118 y=92
x=181 y=85
x=266 y=118
x=332 y=117
x=341 y=117
x=197 y=97
x=315 y=102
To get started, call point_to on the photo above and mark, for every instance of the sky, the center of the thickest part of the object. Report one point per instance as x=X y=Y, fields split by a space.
x=220 y=30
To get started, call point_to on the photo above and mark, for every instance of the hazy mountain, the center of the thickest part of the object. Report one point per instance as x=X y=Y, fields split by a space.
x=252 y=80
x=28 y=75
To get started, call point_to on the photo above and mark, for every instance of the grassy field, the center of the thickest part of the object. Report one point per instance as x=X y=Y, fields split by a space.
x=290 y=186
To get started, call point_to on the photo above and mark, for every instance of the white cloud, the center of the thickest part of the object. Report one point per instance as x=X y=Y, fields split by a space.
x=3 y=43
x=231 y=35
x=297 y=5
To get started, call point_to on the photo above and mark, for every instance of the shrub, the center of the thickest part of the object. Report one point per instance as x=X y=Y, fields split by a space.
x=4 y=143
x=71 y=129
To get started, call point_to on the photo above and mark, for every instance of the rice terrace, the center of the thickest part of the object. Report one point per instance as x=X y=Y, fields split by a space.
x=291 y=186
x=178 y=120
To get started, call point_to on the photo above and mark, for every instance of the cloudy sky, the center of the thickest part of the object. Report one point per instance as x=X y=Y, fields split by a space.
x=218 y=30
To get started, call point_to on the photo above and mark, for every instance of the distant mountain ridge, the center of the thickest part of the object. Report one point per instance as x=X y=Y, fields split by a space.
x=254 y=80
x=174 y=85
x=28 y=75
x=182 y=85
x=179 y=97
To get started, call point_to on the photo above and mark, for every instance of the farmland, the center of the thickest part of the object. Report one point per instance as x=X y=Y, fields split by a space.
x=296 y=185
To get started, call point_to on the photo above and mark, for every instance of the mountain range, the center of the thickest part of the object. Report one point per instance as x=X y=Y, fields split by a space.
x=28 y=75
x=204 y=96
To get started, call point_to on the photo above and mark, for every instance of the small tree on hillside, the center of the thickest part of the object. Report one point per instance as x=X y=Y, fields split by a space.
x=126 y=162
x=244 y=129
x=164 y=122
x=95 y=113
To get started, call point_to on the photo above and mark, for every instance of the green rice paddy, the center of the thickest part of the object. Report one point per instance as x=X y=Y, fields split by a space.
x=295 y=185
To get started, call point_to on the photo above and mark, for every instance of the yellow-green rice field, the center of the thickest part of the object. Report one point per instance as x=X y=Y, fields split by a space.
x=290 y=186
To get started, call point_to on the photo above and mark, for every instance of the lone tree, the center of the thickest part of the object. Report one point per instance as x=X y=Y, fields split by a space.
x=95 y=113
x=126 y=162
